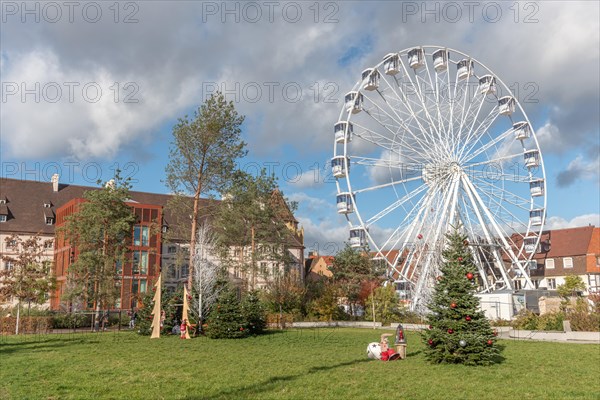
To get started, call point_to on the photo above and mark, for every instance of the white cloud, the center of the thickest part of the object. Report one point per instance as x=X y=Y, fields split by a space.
x=578 y=169
x=581 y=220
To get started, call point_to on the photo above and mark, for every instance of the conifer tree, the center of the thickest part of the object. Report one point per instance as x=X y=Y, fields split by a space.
x=458 y=330
x=226 y=319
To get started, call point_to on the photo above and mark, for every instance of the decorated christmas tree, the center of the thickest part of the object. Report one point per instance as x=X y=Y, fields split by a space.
x=458 y=331
x=226 y=319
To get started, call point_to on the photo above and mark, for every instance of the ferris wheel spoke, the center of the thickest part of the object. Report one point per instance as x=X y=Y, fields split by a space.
x=416 y=209
x=514 y=198
x=509 y=214
x=476 y=135
x=497 y=160
x=470 y=115
x=400 y=126
x=385 y=143
x=487 y=146
x=424 y=107
x=403 y=97
x=436 y=98
x=384 y=185
x=499 y=231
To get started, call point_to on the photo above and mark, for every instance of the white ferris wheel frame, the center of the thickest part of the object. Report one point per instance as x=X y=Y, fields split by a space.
x=419 y=266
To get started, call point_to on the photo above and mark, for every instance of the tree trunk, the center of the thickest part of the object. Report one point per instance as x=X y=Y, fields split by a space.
x=253 y=260
x=193 y=234
x=373 y=308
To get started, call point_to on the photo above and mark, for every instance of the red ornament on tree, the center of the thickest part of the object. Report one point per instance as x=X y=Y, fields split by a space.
x=468 y=318
x=430 y=342
x=419 y=236
x=460 y=259
x=430 y=326
x=450 y=331
x=241 y=329
x=466 y=242
x=490 y=342
x=469 y=276
x=439 y=278
x=453 y=305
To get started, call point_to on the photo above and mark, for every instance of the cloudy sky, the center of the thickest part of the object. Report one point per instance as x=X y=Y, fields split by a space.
x=91 y=86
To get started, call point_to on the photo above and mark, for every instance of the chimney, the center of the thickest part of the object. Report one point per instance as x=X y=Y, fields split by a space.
x=54 y=181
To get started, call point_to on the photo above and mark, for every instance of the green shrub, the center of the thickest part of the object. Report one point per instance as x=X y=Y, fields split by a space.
x=71 y=320
x=550 y=322
x=525 y=320
x=584 y=319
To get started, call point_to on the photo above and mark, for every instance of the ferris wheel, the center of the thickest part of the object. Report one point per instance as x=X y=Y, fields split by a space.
x=427 y=139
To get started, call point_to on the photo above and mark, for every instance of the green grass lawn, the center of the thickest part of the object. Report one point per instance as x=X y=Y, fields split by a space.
x=298 y=364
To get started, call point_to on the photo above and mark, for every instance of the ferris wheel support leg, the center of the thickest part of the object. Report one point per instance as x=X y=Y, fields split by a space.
x=476 y=254
x=502 y=236
x=488 y=236
x=432 y=257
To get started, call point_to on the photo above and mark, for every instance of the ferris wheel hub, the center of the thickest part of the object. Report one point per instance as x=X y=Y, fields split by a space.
x=439 y=172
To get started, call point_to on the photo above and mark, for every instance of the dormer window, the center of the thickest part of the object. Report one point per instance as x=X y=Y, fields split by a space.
x=2 y=218
x=47 y=204
x=49 y=220
x=2 y=200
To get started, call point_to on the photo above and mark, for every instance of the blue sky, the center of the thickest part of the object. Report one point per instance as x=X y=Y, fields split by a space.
x=287 y=69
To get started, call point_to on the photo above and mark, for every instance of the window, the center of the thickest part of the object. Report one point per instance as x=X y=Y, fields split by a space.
x=551 y=283
x=134 y=286
x=172 y=249
x=567 y=262
x=9 y=265
x=119 y=267
x=140 y=262
x=2 y=218
x=143 y=262
x=2 y=201
x=171 y=272
x=47 y=204
x=263 y=269
x=236 y=272
x=142 y=286
x=598 y=261
x=550 y=263
x=11 y=243
x=536 y=283
x=185 y=270
x=141 y=235
x=49 y=220
x=48 y=244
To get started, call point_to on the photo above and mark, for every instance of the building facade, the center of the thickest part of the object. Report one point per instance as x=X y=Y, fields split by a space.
x=30 y=208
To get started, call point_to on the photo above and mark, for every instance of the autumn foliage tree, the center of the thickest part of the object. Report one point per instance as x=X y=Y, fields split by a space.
x=352 y=267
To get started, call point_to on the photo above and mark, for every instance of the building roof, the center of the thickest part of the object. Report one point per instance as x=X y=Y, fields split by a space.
x=25 y=203
x=562 y=242
x=26 y=213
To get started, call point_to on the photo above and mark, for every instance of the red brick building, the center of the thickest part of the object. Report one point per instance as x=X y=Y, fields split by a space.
x=137 y=272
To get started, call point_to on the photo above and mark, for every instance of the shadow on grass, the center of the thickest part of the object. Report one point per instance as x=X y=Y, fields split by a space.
x=269 y=384
x=39 y=344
